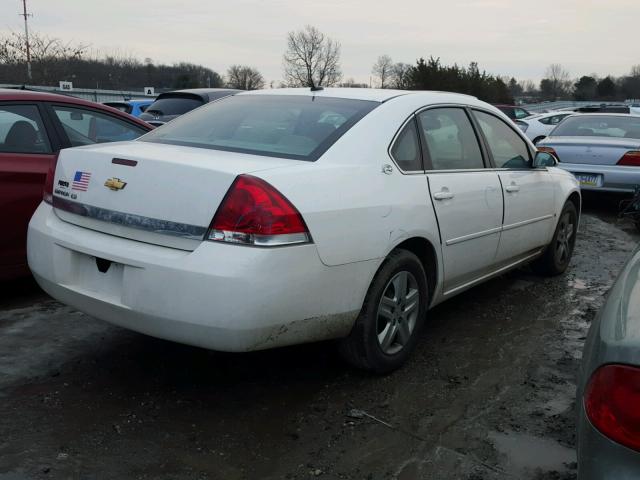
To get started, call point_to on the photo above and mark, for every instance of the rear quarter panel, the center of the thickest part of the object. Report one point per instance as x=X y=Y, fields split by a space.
x=354 y=211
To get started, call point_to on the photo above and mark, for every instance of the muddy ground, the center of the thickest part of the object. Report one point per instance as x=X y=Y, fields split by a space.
x=489 y=393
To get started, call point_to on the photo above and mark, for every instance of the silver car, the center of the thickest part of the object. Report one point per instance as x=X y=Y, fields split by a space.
x=608 y=400
x=602 y=150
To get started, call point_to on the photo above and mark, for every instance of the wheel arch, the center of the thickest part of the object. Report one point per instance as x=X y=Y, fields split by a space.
x=425 y=250
x=576 y=199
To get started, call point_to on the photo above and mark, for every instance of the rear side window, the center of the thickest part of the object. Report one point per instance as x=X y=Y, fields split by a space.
x=557 y=119
x=21 y=130
x=285 y=126
x=451 y=143
x=406 y=149
x=177 y=105
x=86 y=127
x=509 y=150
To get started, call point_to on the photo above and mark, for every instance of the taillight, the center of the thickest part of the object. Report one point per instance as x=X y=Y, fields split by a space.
x=254 y=213
x=630 y=159
x=549 y=150
x=47 y=193
x=611 y=401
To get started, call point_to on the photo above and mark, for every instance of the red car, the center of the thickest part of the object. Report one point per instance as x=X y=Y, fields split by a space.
x=34 y=127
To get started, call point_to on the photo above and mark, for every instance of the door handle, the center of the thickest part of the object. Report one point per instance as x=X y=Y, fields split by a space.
x=444 y=195
x=512 y=188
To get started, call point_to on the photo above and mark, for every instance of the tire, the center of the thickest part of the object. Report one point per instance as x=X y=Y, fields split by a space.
x=557 y=255
x=387 y=328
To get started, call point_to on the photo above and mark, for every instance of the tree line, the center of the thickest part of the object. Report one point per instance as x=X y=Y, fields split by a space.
x=53 y=60
x=311 y=59
x=558 y=85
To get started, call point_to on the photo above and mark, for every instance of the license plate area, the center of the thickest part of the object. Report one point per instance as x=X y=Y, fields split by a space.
x=99 y=276
x=589 y=179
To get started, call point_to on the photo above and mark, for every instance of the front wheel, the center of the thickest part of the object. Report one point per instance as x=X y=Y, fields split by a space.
x=394 y=309
x=557 y=255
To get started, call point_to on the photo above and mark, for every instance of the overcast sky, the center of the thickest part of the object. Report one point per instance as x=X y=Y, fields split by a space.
x=506 y=37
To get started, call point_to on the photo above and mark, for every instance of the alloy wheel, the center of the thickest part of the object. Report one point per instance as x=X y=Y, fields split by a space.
x=397 y=312
x=564 y=238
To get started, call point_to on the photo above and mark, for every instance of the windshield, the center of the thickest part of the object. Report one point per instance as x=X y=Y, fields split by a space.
x=174 y=105
x=599 y=126
x=286 y=126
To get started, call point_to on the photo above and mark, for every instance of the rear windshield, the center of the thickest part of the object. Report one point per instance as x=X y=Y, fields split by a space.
x=286 y=126
x=599 y=126
x=174 y=105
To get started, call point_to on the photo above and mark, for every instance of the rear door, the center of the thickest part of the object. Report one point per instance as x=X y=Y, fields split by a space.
x=466 y=196
x=26 y=151
x=528 y=193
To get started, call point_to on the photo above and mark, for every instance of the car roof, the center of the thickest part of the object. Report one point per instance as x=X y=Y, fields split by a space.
x=372 y=94
x=208 y=94
x=604 y=114
x=30 y=95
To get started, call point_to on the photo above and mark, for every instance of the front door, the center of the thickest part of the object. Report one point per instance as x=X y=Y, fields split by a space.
x=467 y=198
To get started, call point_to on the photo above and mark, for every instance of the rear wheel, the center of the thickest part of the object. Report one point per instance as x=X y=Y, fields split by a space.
x=394 y=309
x=557 y=255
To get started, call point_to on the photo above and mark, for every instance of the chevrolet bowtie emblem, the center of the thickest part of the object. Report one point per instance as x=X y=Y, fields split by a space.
x=115 y=184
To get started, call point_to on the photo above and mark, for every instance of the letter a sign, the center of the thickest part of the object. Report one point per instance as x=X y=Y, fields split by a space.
x=149 y=91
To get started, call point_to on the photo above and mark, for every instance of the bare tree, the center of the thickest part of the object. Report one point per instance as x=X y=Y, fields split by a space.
x=383 y=70
x=557 y=82
x=400 y=78
x=312 y=59
x=635 y=71
x=244 y=78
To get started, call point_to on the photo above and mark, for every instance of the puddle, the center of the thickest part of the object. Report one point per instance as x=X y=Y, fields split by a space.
x=526 y=452
x=578 y=284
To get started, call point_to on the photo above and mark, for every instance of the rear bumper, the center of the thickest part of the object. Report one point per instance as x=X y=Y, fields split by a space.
x=219 y=296
x=600 y=458
x=614 y=177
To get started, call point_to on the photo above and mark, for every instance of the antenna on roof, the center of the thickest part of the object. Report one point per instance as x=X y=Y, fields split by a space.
x=317 y=89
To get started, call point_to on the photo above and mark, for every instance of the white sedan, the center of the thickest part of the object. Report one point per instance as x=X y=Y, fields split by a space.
x=286 y=216
x=538 y=127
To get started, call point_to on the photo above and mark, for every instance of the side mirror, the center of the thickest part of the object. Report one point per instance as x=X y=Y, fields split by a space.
x=544 y=159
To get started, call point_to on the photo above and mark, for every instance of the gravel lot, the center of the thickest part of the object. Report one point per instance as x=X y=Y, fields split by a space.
x=488 y=394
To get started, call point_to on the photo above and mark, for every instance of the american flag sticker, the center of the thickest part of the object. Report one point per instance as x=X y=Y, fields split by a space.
x=81 y=181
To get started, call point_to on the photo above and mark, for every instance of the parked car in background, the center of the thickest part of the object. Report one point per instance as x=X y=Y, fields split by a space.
x=170 y=105
x=601 y=150
x=604 y=108
x=286 y=216
x=132 y=107
x=537 y=127
x=608 y=394
x=513 y=112
x=33 y=128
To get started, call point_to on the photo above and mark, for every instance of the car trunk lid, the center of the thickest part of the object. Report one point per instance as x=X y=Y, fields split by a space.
x=160 y=194
x=591 y=150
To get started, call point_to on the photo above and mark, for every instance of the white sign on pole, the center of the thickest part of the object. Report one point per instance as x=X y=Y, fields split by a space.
x=66 y=86
x=150 y=91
